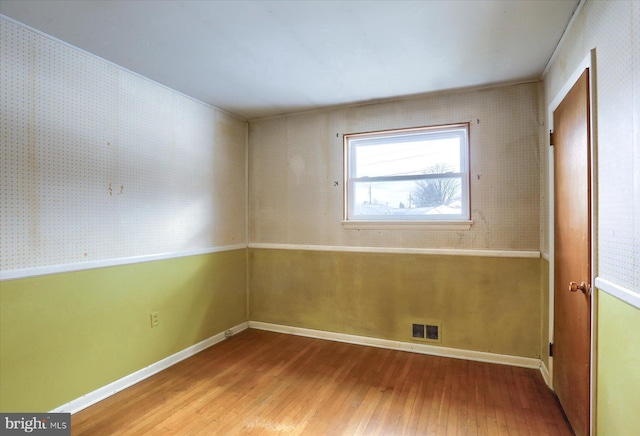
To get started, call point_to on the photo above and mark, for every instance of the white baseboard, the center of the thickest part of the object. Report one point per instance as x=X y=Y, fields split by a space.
x=545 y=374
x=478 y=356
x=106 y=391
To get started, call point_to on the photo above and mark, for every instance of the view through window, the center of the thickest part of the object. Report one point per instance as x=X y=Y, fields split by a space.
x=416 y=174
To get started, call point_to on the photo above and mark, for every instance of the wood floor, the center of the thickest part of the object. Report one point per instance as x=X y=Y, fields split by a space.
x=260 y=382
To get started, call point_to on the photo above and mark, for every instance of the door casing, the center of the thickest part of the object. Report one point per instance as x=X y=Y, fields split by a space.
x=588 y=62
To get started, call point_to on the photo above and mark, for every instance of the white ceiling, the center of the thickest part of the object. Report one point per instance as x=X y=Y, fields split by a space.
x=263 y=58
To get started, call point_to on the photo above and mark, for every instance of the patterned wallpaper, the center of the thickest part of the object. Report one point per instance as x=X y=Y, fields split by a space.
x=296 y=171
x=613 y=29
x=99 y=163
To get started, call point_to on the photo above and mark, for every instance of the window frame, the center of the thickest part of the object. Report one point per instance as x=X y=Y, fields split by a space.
x=458 y=221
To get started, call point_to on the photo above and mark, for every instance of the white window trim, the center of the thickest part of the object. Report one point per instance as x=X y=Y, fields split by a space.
x=407 y=225
x=411 y=223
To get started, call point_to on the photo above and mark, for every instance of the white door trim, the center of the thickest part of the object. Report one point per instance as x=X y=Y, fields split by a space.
x=588 y=62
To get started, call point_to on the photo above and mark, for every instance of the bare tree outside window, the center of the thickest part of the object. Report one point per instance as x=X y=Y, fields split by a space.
x=436 y=192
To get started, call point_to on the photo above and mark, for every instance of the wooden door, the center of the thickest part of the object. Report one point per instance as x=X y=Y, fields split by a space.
x=572 y=249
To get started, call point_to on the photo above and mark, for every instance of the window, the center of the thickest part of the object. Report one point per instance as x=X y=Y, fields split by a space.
x=409 y=175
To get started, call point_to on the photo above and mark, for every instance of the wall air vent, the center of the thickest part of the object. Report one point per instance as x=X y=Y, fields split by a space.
x=430 y=332
x=433 y=332
x=418 y=331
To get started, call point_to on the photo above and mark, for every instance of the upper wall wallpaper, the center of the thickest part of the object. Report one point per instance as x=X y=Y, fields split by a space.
x=613 y=30
x=98 y=163
x=296 y=171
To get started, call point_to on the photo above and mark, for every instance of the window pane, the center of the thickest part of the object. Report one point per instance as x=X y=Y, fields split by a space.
x=440 y=196
x=415 y=174
x=437 y=156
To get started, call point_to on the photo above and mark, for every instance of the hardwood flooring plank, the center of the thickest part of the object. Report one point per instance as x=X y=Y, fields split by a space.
x=429 y=366
x=390 y=387
x=329 y=407
x=263 y=383
x=404 y=395
x=410 y=389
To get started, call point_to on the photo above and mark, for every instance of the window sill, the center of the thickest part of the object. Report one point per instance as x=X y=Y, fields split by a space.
x=461 y=225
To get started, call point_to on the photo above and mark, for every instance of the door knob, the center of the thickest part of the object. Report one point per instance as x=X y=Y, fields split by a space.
x=585 y=288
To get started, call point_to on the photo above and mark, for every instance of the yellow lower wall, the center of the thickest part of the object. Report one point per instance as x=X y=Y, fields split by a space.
x=484 y=304
x=65 y=335
x=618 y=367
